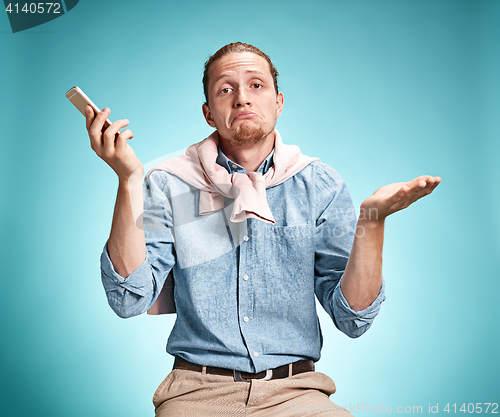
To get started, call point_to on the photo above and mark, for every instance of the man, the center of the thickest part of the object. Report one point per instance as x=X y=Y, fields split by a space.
x=252 y=231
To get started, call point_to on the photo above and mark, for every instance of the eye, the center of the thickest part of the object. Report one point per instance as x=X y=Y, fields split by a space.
x=257 y=86
x=225 y=90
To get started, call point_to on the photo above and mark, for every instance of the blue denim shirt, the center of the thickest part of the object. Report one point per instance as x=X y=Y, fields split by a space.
x=245 y=292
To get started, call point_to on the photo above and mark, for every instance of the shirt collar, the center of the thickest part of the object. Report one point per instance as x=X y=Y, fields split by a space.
x=233 y=167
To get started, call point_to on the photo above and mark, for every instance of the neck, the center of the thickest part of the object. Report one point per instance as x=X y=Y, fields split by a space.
x=249 y=156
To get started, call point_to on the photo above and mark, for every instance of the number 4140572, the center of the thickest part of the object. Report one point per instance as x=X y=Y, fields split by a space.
x=472 y=408
x=34 y=8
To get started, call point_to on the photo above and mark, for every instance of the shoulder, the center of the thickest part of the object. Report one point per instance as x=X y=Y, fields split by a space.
x=169 y=183
x=323 y=176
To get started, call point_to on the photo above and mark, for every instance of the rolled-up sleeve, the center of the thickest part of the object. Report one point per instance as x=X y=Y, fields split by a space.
x=335 y=229
x=355 y=323
x=135 y=294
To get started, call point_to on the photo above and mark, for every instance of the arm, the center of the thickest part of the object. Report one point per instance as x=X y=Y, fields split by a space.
x=335 y=230
x=126 y=244
x=139 y=253
x=134 y=294
x=362 y=279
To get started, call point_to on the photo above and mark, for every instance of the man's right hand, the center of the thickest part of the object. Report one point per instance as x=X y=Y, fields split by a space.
x=112 y=148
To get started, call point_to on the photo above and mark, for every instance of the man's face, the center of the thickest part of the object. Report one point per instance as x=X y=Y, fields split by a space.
x=242 y=102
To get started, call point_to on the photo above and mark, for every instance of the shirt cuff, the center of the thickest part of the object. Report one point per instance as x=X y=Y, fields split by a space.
x=137 y=282
x=362 y=318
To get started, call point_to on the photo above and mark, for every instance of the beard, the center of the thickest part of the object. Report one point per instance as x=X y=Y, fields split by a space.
x=249 y=134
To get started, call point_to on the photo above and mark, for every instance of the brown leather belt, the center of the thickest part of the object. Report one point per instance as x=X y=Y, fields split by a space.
x=276 y=373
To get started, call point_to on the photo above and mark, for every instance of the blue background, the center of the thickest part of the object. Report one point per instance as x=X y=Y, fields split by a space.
x=383 y=91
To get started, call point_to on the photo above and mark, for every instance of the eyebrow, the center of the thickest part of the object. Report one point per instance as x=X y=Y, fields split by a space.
x=225 y=74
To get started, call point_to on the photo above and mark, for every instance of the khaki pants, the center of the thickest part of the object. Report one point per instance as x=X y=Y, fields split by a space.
x=193 y=394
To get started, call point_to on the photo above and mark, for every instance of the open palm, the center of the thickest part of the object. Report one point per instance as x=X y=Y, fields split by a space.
x=397 y=196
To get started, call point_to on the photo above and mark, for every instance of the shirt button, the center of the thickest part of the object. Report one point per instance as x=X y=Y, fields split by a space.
x=256 y=354
x=234 y=166
x=245 y=319
x=245 y=277
x=245 y=238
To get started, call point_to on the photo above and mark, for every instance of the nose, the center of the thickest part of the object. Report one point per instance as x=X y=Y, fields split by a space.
x=241 y=98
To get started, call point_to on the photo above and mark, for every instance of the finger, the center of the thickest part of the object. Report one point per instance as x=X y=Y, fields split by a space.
x=418 y=182
x=419 y=191
x=425 y=187
x=433 y=185
x=412 y=183
x=121 y=140
x=114 y=127
x=95 y=139
x=416 y=191
x=421 y=184
x=397 y=196
x=109 y=136
x=433 y=180
x=437 y=181
x=89 y=116
x=98 y=123
x=89 y=119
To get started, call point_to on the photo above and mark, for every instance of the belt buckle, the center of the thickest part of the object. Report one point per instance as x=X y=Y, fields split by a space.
x=238 y=378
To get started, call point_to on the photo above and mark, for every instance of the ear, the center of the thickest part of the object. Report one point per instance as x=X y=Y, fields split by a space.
x=208 y=115
x=280 y=101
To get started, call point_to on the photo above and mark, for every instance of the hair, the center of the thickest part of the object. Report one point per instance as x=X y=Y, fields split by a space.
x=237 y=47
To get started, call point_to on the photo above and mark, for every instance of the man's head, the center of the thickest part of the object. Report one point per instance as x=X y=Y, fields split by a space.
x=241 y=89
x=237 y=47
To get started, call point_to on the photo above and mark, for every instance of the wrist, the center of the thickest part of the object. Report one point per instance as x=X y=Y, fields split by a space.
x=371 y=222
x=371 y=215
x=370 y=228
x=133 y=178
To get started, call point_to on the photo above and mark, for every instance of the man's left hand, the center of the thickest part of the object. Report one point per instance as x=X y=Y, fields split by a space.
x=394 y=197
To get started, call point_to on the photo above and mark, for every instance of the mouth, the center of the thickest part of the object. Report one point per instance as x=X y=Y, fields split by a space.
x=245 y=115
